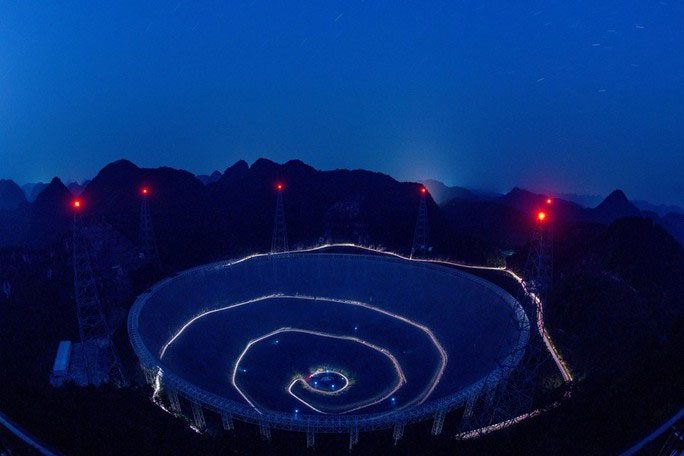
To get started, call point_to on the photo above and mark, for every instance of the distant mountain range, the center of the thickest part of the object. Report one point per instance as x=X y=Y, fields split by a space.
x=660 y=209
x=32 y=190
x=11 y=196
x=442 y=193
x=209 y=178
x=505 y=219
x=231 y=212
x=615 y=309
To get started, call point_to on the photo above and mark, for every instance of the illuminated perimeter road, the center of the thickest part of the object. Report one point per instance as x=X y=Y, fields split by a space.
x=400 y=378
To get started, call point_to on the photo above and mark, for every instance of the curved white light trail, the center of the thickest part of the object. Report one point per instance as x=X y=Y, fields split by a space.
x=335 y=392
x=209 y=312
x=546 y=337
x=318 y=371
x=401 y=378
x=440 y=349
x=560 y=363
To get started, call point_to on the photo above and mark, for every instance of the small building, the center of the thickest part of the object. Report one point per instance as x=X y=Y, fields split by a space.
x=60 y=369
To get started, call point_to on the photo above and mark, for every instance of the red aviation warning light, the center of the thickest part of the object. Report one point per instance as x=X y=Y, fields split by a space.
x=549 y=201
x=77 y=204
x=280 y=186
x=541 y=216
x=423 y=191
x=145 y=191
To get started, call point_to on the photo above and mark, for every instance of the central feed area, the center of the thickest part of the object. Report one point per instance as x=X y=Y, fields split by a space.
x=327 y=340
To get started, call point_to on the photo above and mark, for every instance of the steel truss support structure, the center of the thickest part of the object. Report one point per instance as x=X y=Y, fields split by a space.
x=198 y=416
x=438 y=423
x=470 y=397
x=398 y=432
x=537 y=288
x=279 y=240
x=227 y=421
x=420 y=247
x=538 y=269
x=265 y=430
x=146 y=238
x=353 y=437
x=174 y=402
x=150 y=375
x=490 y=395
x=509 y=395
x=513 y=397
x=100 y=358
x=467 y=419
x=514 y=394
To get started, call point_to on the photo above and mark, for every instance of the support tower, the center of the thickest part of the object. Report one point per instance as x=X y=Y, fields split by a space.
x=101 y=362
x=537 y=274
x=279 y=240
x=148 y=243
x=420 y=246
x=538 y=270
x=517 y=394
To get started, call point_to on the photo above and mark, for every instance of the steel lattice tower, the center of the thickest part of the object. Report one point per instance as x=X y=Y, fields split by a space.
x=420 y=245
x=148 y=243
x=537 y=274
x=279 y=240
x=100 y=360
x=538 y=270
x=517 y=394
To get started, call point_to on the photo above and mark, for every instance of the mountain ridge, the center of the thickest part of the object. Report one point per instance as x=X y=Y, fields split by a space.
x=11 y=195
x=243 y=195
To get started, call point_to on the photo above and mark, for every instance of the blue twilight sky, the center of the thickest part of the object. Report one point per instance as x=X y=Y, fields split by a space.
x=568 y=96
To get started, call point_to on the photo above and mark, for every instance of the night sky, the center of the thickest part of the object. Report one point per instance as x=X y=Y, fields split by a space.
x=565 y=96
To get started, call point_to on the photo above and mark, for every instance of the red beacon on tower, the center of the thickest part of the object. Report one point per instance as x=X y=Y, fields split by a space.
x=541 y=216
x=145 y=191
x=77 y=204
x=280 y=186
x=423 y=191
x=549 y=201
